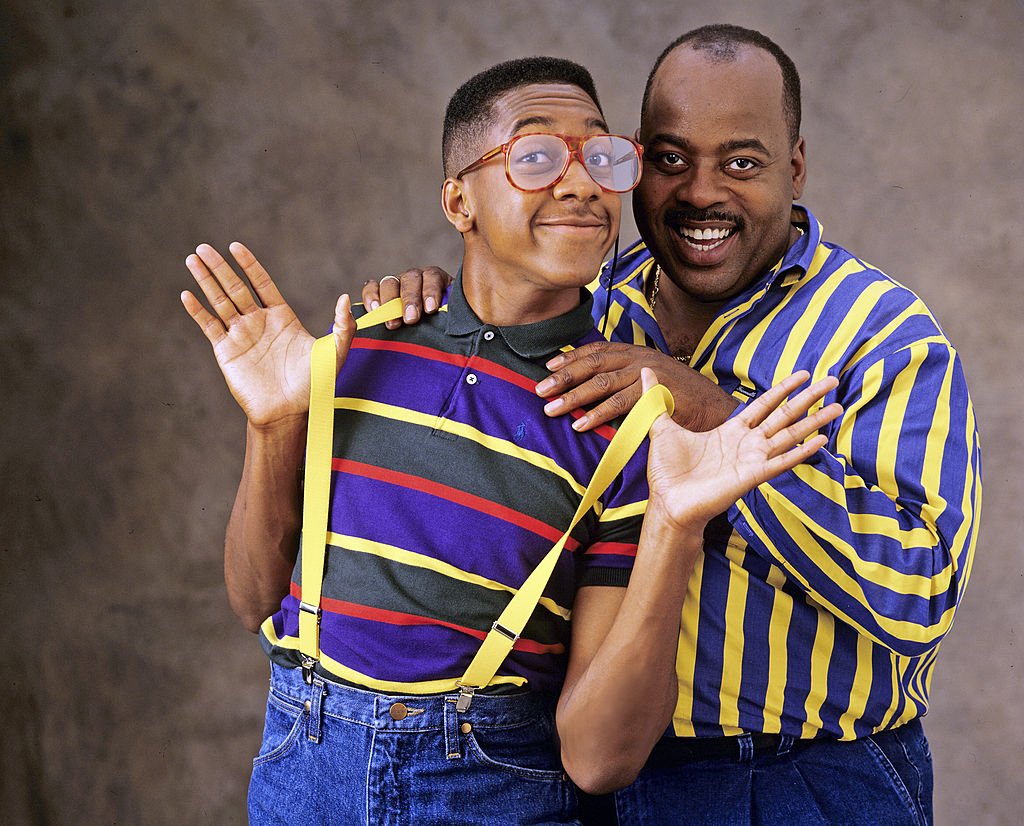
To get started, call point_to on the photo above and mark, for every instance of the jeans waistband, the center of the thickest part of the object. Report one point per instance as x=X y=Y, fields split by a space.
x=406 y=712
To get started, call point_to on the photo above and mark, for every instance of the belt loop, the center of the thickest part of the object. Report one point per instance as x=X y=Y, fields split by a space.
x=785 y=743
x=451 y=729
x=746 y=743
x=317 y=692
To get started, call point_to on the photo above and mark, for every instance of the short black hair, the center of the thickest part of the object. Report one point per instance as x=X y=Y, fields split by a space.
x=470 y=109
x=721 y=41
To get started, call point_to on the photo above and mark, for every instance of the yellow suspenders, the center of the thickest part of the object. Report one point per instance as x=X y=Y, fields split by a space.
x=507 y=628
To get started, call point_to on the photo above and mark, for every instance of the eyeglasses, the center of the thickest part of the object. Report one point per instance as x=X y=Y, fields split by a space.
x=538 y=160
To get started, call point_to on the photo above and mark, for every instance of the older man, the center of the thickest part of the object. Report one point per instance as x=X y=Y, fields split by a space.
x=812 y=620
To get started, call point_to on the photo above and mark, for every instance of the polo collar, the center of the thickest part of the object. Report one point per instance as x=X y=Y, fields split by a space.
x=529 y=341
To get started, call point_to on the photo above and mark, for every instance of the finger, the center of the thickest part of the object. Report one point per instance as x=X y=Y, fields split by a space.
x=371 y=294
x=344 y=328
x=758 y=410
x=435 y=282
x=594 y=391
x=211 y=289
x=790 y=459
x=578 y=369
x=230 y=286
x=260 y=279
x=590 y=351
x=795 y=408
x=412 y=295
x=390 y=287
x=618 y=405
x=800 y=430
x=211 y=326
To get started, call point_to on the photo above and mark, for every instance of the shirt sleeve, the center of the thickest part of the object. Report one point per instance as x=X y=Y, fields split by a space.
x=880 y=525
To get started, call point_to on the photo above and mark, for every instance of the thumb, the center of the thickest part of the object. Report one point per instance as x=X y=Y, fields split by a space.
x=344 y=328
x=664 y=423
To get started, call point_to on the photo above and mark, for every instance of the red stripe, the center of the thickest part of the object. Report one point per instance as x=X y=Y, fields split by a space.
x=616 y=548
x=459 y=497
x=367 y=612
x=418 y=350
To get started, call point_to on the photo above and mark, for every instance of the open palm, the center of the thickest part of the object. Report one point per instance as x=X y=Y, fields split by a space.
x=695 y=476
x=263 y=351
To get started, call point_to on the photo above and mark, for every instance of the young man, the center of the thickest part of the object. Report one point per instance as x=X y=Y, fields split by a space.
x=449 y=485
x=813 y=617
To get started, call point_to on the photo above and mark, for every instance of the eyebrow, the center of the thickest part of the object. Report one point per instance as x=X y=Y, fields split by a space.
x=538 y=120
x=723 y=148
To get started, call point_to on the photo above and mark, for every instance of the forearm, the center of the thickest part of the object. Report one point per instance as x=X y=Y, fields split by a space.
x=615 y=710
x=263 y=532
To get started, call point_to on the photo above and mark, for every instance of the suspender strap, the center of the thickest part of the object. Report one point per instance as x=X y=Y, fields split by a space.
x=317 y=480
x=507 y=628
x=316 y=500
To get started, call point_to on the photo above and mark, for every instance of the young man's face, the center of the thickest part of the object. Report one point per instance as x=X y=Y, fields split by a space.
x=720 y=174
x=550 y=240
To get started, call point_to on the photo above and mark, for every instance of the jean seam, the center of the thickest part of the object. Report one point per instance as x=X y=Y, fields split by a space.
x=285 y=745
x=894 y=776
x=546 y=775
x=898 y=733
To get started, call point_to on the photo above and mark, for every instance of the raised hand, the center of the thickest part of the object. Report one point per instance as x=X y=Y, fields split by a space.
x=261 y=348
x=695 y=476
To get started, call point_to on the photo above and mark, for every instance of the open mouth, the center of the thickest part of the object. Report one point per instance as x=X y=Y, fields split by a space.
x=707 y=239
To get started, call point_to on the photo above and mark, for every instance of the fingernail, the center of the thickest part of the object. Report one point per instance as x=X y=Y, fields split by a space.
x=580 y=423
x=545 y=386
x=430 y=304
x=554 y=406
x=410 y=313
x=555 y=363
x=374 y=304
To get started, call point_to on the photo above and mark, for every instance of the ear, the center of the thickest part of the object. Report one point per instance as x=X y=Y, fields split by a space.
x=799 y=166
x=636 y=135
x=456 y=205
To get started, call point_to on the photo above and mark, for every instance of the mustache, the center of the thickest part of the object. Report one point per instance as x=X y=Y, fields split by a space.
x=688 y=213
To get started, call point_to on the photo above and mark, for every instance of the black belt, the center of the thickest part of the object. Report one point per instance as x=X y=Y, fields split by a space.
x=671 y=751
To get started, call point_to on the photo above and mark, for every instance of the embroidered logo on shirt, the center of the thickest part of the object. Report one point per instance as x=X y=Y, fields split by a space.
x=520 y=433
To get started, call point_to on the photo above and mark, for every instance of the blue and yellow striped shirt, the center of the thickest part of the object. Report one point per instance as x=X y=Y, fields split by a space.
x=821 y=597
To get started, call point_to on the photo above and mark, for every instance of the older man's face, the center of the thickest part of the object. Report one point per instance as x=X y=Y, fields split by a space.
x=720 y=174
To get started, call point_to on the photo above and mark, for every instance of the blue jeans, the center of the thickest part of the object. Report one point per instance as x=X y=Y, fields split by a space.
x=332 y=754
x=882 y=779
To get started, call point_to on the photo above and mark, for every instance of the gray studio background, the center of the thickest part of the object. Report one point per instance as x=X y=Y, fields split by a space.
x=131 y=131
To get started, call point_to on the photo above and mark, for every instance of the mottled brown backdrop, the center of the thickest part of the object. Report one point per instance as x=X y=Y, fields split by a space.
x=130 y=131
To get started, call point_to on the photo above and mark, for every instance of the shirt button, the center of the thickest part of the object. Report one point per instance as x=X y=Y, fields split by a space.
x=398 y=711
x=471 y=378
x=489 y=335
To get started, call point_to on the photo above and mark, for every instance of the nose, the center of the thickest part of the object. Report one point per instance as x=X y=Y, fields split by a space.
x=576 y=183
x=703 y=186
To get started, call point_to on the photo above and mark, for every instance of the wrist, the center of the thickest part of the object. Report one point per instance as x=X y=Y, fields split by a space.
x=669 y=525
x=284 y=430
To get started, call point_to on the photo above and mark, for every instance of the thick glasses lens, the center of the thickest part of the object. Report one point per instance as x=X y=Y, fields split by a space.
x=536 y=161
x=612 y=162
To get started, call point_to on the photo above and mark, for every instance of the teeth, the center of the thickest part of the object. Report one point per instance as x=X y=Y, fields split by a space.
x=706 y=234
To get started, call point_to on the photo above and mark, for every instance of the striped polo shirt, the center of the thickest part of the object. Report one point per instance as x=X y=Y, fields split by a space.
x=821 y=597
x=449 y=486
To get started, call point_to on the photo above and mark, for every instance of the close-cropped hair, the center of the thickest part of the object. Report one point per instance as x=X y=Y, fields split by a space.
x=721 y=42
x=470 y=110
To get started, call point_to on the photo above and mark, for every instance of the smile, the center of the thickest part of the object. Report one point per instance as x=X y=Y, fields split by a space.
x=705 y=240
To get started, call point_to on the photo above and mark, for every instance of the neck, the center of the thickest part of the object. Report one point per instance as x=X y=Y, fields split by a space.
x=508 y=302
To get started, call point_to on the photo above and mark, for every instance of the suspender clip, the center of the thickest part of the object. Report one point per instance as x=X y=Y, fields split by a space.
x=505 y=632
x=465 y=698
x=307 y=670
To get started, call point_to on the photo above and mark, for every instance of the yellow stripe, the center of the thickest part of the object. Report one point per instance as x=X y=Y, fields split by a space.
x=388 y=686
x=732 y=656
x=821 y=651
x=465 y=431
x=778 y=655
x=686 y=653
x=859 y=690
x=801 y=332
x=624 y=511
x=897 y=692
x=791 y=519
x=415 y=560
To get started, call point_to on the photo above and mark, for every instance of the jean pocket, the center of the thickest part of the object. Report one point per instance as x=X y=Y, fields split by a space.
x=528 y=752
x=286 y=718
